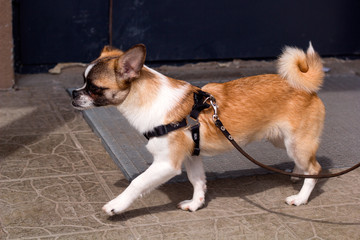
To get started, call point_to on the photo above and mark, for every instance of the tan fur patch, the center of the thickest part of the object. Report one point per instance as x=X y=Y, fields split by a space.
x=147 y=84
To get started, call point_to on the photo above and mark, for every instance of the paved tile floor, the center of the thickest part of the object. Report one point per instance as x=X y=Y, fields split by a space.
x=55 y=176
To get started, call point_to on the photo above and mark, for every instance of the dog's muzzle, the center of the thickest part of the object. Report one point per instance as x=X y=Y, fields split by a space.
x=75 y=98
x=80 y=100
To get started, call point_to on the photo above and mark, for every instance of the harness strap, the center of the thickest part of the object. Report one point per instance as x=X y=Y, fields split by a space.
x=165 y=129
x=200 y=104
x=195 y=134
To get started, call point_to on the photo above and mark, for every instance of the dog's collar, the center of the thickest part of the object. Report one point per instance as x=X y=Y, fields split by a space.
x=200 y=103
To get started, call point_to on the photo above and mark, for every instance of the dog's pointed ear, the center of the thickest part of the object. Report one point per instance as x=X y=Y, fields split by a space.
x=131 y=62
x=109 y=50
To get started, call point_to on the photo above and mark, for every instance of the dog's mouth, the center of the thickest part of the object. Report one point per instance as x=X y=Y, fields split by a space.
x=76 y=105
x=81 y=105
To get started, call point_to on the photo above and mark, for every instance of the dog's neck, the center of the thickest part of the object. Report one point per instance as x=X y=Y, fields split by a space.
x=155 y=99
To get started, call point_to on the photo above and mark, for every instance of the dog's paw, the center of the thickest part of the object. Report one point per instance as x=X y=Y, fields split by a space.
x=113 y=207
x=296 y=200
x=191 y=205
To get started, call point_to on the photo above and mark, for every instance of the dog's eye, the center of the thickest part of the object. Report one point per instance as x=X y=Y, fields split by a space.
x=92 y=89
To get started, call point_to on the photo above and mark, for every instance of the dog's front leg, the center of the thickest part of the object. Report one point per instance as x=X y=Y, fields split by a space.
x=158 y=173
x=196 y=174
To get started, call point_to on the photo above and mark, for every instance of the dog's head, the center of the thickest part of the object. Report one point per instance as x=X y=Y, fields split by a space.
x=107 y=80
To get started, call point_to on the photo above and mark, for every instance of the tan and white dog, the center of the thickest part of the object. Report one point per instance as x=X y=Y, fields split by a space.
x=283 y=108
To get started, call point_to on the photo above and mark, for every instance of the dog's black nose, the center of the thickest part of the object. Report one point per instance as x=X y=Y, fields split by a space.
x=75 y=94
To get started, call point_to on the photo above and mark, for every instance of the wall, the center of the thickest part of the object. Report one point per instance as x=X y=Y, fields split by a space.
x=47 y=32
x=6 y=45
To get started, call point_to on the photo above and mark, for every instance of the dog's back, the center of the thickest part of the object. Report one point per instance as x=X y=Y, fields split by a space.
x=270 y=105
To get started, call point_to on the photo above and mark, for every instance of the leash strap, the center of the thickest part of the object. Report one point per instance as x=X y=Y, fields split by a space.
x=220 y=125
x=165 y=129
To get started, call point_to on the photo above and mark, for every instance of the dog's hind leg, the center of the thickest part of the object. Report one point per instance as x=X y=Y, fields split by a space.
x=278 y=141
x=308 y=186
x=305 y=161
x=195 y=171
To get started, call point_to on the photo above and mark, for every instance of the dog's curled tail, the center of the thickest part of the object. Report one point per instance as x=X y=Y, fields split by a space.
x=301 y=70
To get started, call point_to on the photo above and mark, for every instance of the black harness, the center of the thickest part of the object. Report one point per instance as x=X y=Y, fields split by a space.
x=200 y=103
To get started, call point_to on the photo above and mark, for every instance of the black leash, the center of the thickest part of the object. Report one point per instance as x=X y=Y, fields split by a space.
x=228 y=136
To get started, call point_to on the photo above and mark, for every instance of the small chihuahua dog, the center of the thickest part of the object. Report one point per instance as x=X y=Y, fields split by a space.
x=282 y=108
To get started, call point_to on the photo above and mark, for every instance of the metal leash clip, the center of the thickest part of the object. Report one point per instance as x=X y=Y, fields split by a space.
x=215 y=107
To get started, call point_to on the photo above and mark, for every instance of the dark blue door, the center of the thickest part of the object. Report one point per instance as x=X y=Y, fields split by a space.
x=47 y=32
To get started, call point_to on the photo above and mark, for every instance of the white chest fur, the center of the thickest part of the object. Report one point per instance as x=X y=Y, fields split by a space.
x=145 y=117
